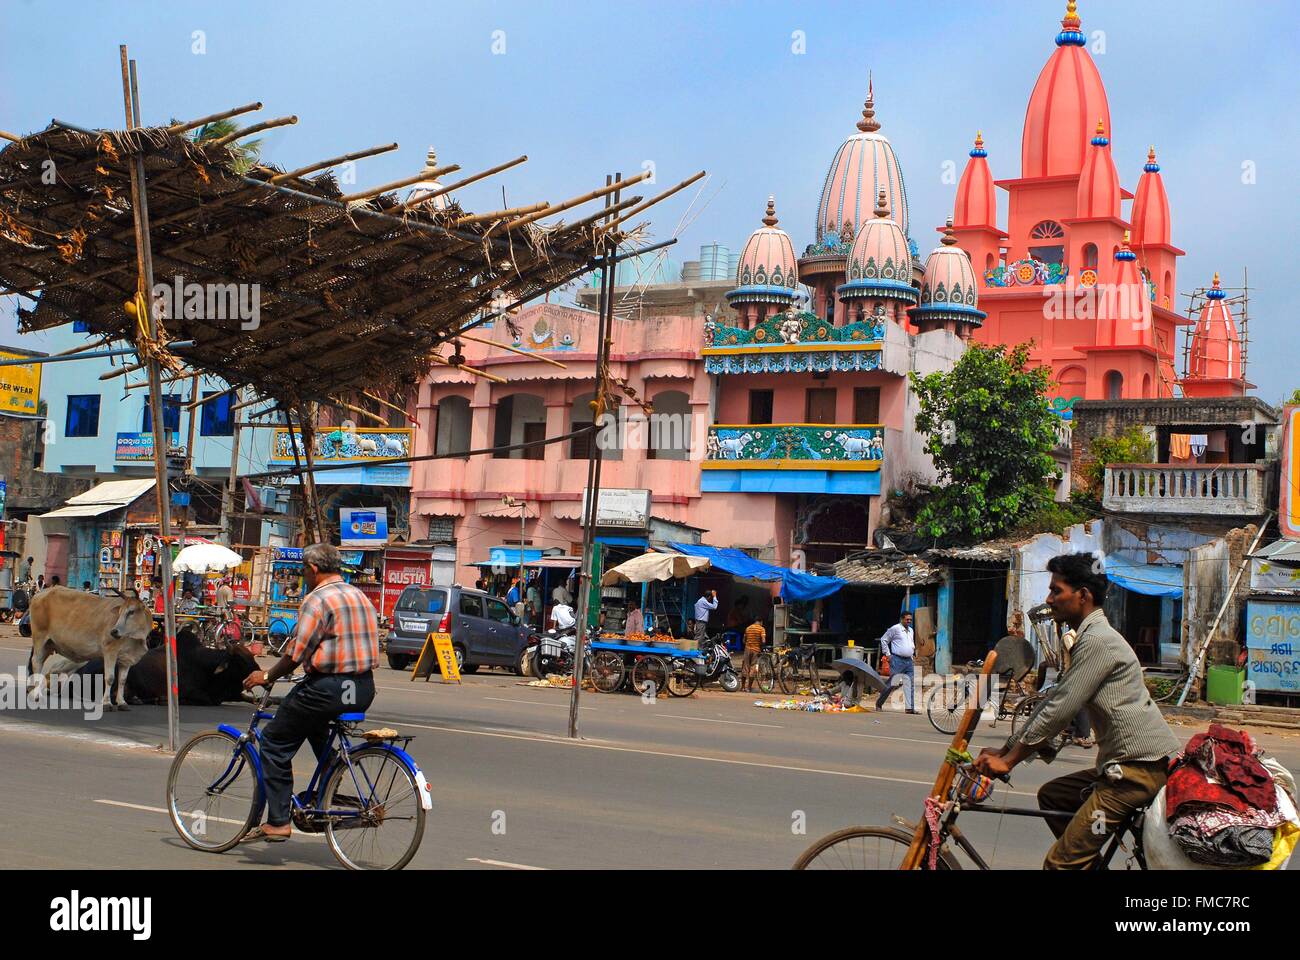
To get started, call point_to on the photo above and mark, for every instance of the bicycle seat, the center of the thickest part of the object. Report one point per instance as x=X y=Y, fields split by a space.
x=351 y=717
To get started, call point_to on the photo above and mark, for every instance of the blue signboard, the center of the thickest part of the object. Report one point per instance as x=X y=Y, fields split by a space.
x=1273 y=645
x=138 y=446
x=293 y=554
x=363 y=527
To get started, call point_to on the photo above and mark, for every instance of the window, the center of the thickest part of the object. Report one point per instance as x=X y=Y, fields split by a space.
x=80 y=326
x=670 y=427
x=217 y=419
x=471 y=606
x=171 y=416
x=866 y=404
x=534 y=432
x=453 y=431
x=498 y=611
x=83 y=416
x=760 y=406
x=1114 y=385
x=820 y=405
x=1047 y=230
x=520 y=418
x=1090 y=256
x=420 y=600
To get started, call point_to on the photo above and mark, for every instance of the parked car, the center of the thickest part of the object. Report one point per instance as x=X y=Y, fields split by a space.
x=484 y=633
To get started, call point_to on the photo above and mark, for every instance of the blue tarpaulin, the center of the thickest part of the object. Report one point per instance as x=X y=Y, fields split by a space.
x=1146 y=578
x=794 y=584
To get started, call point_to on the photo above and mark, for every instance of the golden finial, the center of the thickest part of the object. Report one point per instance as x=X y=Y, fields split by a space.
x=770 y=220
x=1216 y=278
x=979 y=138
x=1126 y=235
x=431 y=160
x=1101 y=127
x=1151 y=154
x=949 y=236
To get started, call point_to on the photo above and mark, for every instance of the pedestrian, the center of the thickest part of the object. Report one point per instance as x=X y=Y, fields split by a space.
x=85 y=585
x=533 y=594
x=40 y=582
x=561 y=595
x=225 y=598
x=899 y=645
x=337 y=645
x=513 y=594
x=55 y=581
x=27 y=568
x=755 y=638
x=703 y=606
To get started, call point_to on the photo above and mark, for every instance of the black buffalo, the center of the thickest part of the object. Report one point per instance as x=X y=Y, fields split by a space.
x=205 y=677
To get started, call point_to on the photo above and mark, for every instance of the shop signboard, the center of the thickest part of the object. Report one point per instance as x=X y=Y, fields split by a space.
x=365 y=527
x=20 y=385
x=1288 y=519
x=404 y=568
x=1273 y=645
x=134 y=447
x=290 y=554
x=620 y=508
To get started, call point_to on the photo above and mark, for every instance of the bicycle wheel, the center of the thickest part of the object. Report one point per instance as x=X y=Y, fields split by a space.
x=213 y=792
x=766 y=674
x=607 y=671
x=375 y=819
x=649 y=670
x=1022 y=711
x=788 y=677
x=945 y=706
x=683 y=679
x=865 y=848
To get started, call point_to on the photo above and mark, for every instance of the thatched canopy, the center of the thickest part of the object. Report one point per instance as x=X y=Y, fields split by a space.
x=352 y=293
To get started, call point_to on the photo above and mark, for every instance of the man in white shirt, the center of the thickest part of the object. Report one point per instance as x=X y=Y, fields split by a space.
x=562 y=616
x=899 y=645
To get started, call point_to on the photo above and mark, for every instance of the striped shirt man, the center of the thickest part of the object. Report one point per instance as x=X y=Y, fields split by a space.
x=1105 y=678
x=338 y=627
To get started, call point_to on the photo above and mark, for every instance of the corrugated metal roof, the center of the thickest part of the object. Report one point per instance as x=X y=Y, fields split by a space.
x=994 y=551
x=101 y=498
x=887 y=570
x=81 y=510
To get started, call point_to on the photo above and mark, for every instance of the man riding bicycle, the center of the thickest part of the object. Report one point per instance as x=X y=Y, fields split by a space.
x=337 y=642
x=1134 y=742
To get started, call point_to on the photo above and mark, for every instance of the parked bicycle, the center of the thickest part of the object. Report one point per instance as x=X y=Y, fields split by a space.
x=368 y=797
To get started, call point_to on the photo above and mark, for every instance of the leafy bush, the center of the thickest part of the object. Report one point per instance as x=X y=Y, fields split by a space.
x=1131 y=446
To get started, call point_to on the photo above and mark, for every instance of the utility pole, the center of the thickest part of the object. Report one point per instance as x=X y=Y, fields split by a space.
x=228 y=499
x=144 y=302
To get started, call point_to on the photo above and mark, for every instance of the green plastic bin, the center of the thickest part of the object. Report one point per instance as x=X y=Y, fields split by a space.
x=1223 y=685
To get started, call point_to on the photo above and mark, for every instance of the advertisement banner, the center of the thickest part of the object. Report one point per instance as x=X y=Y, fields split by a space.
x=402 y=570
x=1273 y=645
x=132 y=447
x=622 y=508
x=20 y=386
x=365 y=527
x=1288 y=519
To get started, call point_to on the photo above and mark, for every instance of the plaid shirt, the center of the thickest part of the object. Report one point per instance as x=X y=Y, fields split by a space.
x=338 y=621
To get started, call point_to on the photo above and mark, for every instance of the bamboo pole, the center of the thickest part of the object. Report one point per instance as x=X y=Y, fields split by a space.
x=416 y=201
x=425 y=174
x=5 y=134
x=332 y=162
x=500 y=214
x=255 y=128
x=526 y=353
x=652 y=201
x=228 y=498
x=365 y=413
x=390 y=406
x=122 y=371
x=250 y=403
x=578 y=201
x=471 y=370
x=216 y=396
x=214 y=117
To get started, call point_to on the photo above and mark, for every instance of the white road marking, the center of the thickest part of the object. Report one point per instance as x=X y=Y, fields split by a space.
x=739 y=723
x=502 y=863
x=38 y=730
x=163 y=810
x=540 y=703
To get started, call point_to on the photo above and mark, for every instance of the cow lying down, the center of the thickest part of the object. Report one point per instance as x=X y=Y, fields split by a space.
x=205 y=677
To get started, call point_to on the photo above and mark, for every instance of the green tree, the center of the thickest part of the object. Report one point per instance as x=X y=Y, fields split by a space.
x=991 y=433
x=1131 y=446
x=246 y=153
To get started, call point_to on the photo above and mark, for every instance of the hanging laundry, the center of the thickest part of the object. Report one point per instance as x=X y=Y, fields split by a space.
x=1180 y=446
x=1198 y=443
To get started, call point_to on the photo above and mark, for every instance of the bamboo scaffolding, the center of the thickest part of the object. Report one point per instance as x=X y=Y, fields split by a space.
x=500 y=214
x=332 y=162
x=391 y=406
x=255 y=128
x=431 y=194
x=471 y=370
x=578 y=201
x=214 y=117
x=5 y=134
x=526 y=353
x=335 y=401
x=425 y=174
x=613 y=225
x=216 y=396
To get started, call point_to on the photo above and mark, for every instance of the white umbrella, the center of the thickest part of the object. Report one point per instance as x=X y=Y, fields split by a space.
x=654 y=566
x=206 y=558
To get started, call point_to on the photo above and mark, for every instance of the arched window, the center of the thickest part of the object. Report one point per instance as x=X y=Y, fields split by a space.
x=1090 y=256
x=1114 y=385
x=610 y=435
x=1047 y=242
x=1072 y=382
x=1168 y=290
x=1047 y=230
x=670 y=427
x=990 y=262
x=1146 y=387
x=520 y=418
x=451 y=436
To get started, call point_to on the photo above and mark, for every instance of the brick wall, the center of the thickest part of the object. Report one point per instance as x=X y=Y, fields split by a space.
x=31 y=491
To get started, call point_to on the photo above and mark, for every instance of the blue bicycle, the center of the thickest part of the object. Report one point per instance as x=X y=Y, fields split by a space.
x=216 y=793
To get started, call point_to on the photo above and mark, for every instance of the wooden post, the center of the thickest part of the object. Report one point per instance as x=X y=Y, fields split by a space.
x=307 y=429
x=228 y=498
x=144 y=279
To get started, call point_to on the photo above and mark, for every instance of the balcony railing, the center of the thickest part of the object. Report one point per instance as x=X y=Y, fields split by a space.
x=795 y=446
x=793 y=343
x=1234 y=490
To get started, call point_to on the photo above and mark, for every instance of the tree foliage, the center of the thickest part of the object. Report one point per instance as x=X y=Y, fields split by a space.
x=1131 y=446
x=246 y=153
x=990 y=432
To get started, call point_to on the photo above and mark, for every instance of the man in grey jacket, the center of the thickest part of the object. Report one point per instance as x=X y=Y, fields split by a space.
x=1134 y=742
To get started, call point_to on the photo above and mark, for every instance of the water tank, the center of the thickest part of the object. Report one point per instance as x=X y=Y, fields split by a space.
x=691 y=271
x=715 y=262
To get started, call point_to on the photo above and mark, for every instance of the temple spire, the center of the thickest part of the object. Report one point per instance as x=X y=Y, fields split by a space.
x=1071 y=27
x=770 y=219
x=869 y=123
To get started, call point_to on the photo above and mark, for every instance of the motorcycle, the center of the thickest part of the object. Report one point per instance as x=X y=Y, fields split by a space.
x=717 y=665
x=554 y=652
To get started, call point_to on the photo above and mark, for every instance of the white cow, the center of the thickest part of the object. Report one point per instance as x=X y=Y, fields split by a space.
x=367 y=445
x=80 y=626
x=392 y=446
x=731 y=446
x=856 y=448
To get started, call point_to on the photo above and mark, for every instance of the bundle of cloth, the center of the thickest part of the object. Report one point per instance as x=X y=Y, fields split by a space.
x=1228 y=805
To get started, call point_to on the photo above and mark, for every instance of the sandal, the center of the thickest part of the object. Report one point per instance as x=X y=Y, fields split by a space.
x=257 y=833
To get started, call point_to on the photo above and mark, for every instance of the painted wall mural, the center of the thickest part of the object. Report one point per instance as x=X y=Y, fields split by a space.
x=760 y=444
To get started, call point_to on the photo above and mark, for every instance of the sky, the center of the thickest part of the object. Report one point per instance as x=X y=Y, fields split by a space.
x=760 y=94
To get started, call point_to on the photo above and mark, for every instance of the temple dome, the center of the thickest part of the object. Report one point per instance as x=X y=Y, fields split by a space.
x=977 y=204
x=864 y=165
x=767 y=271
x=1099 y=192
x=948 y=287
x=880 y=262
x=1151 y=225
x=1067 y=100
x=1215 y=352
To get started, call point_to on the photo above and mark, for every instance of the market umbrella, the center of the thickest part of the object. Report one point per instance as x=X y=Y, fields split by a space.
x=654 y=566
x=206 y=558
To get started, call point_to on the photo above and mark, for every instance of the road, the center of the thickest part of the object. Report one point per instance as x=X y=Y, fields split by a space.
x=706 y=782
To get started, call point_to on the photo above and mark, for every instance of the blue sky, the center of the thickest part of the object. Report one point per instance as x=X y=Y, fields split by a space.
x=585 y=87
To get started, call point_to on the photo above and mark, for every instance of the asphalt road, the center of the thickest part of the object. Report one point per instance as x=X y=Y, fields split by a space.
x=707 y=782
